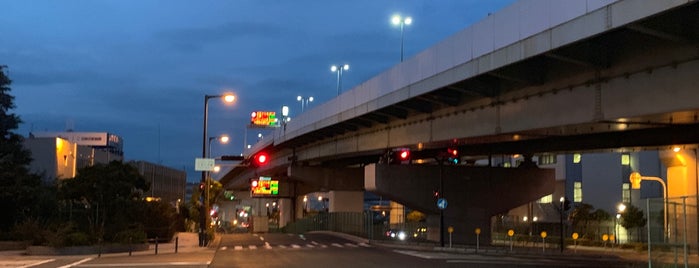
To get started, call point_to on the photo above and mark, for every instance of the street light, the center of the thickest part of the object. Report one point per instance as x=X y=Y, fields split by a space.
x=619 y=209
x=228 y=98
x=339 y=69
x=401 y=21
x=635 y=178
x=304 y=101
x=222 y=139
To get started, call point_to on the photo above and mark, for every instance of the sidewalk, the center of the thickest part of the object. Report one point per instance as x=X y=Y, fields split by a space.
x=569 y=253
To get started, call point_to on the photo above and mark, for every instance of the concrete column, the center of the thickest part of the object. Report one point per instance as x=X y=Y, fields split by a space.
x=301 y=207
x=346 y=201
x=397 y=213
x=285 y=209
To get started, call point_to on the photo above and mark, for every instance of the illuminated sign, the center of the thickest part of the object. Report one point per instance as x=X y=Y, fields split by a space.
x=264 y=119
x=265 y=186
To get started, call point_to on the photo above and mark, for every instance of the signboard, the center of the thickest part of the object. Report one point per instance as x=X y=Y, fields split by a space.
x=204 y=164
x=265 y=186
x=264 y=119
x=442 y=203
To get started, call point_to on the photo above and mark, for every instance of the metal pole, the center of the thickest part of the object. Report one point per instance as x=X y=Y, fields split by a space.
x=202 y=212
x=402 y=24
x=441 y=195
x=339 y=76
x=648 y=224
x=561 y=224
x=684 y=233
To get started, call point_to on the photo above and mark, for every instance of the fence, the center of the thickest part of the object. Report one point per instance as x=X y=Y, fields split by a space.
x=671 y=229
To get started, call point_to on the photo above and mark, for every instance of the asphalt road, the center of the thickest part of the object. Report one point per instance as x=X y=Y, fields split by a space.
x=322 y=250
x=309 y=250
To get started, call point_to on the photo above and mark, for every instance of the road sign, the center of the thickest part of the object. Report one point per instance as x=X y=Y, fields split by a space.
x=441 y=203
x=204 y=164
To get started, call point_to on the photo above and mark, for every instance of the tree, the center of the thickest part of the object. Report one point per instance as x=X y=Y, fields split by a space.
x=18 y=187
x=111 y=197
x=632 y=217
x=581 y=216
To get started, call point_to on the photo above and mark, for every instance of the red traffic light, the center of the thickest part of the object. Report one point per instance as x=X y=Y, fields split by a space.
x=260 y=159
x=404 y=155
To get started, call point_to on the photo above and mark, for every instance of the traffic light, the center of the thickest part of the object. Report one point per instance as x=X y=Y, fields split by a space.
x=400 y=156
x=260 y=159
x=453 y=156
x=566 y=204
x=202 y=186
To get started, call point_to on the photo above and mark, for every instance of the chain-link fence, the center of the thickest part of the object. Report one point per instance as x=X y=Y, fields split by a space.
x=671 y=229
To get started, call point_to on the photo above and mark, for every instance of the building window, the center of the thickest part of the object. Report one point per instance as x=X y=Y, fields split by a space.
x=546 y=199
x=577 y=192
x=547 y=159
x=577 y=158
x=625 y=193
x=625 y=159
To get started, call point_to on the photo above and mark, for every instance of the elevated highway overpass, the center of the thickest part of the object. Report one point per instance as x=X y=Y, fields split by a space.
x=536 y=77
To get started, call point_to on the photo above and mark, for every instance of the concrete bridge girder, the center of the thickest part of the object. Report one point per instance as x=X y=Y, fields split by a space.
x=474 y=194
x=657 y=95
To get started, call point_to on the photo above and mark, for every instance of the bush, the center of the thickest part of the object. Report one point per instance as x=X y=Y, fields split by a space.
x=77 y=239
x=134 y=236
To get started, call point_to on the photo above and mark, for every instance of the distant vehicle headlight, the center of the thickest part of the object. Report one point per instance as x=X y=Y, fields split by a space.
x=401 y=235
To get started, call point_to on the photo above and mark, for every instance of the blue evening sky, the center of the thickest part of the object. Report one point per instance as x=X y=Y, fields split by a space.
x=140 y=69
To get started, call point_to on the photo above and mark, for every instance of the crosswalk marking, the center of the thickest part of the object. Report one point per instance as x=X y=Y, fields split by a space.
x=311 y=245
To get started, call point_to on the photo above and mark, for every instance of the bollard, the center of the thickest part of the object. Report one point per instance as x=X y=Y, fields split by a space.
x=177 y=243
x=99 y=247
x=130 y=246
x=156 y=245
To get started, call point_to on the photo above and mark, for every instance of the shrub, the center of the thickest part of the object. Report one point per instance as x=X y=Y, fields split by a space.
x=135 y=236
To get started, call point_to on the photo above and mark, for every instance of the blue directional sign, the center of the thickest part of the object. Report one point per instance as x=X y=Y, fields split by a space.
x=441 y=203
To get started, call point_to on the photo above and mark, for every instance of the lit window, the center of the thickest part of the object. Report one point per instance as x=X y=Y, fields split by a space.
x=547 y=159
x=546 y=199
x=577 y=192
x=625 y=159
x=625 y=193
x=577 y=158
x=506 y=164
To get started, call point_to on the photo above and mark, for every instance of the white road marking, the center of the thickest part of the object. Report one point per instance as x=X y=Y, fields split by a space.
x=75 y=263
x=4 y=263
x=336 y=245
x=365 y=245
x=309 y=246
x=295 y=246
x=351 y=245
x=267 y=246
x=146 y=264
x=262 y=238
x=238 y=248
x=252 y=247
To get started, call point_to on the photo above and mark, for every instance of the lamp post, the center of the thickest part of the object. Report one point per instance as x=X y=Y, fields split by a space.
x=635 y=178
x=619 y=210
x=339 y=69
x=204 y=199
x=401 y=21
x=304 y=101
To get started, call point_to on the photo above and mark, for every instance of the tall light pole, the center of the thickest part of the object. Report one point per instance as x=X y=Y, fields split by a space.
x=339 y=69
x=204 y=199
x=401 y=21
x=304 y=101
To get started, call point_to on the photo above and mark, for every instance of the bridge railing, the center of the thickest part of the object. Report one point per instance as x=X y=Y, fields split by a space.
x=361 y=224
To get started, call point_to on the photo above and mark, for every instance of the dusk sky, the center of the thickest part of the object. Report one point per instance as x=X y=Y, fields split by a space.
x=140 y=69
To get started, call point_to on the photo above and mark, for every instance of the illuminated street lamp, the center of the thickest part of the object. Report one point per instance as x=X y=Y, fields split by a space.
x=619 y=209
x=228 y=98
x=339 y=69
x=635 y=178
x=401 y=21
x=222 y=139
x=304 y=101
